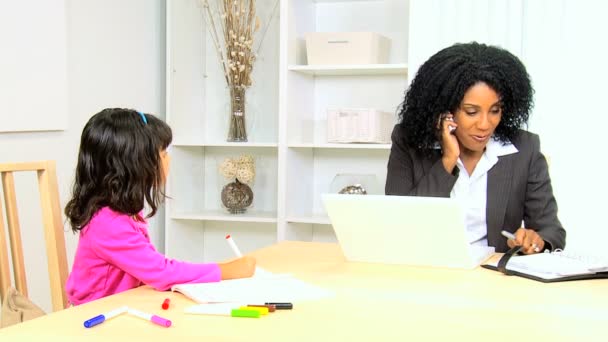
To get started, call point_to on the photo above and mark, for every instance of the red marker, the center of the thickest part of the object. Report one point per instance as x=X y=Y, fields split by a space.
x=166 y=302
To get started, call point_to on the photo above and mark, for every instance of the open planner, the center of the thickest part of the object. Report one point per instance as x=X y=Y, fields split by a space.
x=550 y=267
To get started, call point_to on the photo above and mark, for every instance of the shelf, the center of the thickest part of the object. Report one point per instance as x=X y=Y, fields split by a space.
x=225 y=144
x=344 y=146
x=351 y=70
x=221 y=215
x=326 y=1
x=315 y=219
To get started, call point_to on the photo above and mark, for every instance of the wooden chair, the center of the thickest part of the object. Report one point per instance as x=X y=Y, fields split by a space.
x=53 y=231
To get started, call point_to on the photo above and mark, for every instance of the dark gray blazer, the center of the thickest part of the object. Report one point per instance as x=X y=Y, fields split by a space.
x=519 y=187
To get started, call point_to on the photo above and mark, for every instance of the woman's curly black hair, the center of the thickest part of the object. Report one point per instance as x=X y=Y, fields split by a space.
x=119 y=165
x=441 y=82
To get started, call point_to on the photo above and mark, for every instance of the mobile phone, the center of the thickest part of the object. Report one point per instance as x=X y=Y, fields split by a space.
x=451 y=128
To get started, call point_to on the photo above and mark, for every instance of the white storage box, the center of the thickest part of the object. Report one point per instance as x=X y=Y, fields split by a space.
x=359 y=125
x=346 y=48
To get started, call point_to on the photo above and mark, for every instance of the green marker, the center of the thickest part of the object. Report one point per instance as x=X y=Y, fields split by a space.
x=245 y=313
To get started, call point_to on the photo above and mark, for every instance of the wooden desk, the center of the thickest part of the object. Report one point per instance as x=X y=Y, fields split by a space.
x=372 y=303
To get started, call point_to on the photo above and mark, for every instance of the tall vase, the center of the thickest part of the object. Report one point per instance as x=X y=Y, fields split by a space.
x=236 y=129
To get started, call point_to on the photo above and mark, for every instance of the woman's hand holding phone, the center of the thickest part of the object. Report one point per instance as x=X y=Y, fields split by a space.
x=449 y=143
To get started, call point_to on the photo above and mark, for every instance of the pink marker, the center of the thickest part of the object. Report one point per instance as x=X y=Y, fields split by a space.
x=235 y=249
x=149 y=317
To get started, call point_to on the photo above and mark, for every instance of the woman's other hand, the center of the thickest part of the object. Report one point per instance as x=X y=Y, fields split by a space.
x=239 y=268
x=529 y=239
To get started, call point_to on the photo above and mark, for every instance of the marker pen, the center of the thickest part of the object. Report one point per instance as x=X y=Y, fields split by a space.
x=281 y=306
x=149 y=317
x=259 y=272
x=235 y=249
x=248 y=312
x=508 y=235
x=224 y=309
x=262 y=309
x=271 y=308
x=104 y=317
x=166 y=303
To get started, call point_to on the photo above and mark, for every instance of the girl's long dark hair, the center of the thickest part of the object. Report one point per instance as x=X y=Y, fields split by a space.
x=119 y=165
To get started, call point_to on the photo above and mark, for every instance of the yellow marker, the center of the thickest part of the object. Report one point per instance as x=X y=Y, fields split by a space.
x=261 y=310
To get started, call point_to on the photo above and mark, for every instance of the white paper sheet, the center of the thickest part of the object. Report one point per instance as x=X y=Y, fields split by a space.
x=261 y=289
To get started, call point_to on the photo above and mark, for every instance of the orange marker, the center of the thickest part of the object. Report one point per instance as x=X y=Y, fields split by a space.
x=271 y=308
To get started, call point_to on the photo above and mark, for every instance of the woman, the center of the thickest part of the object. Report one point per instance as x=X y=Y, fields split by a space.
x=460 y=136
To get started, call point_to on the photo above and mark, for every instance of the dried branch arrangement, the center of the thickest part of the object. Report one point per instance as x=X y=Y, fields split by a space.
x=233 y=25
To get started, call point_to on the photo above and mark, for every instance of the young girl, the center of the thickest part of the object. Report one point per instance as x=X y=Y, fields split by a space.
x=123 y=162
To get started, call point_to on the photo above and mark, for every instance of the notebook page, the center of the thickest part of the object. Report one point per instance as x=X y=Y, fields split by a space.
x=548 y=264
x=213 y=309
x=262 y=273
x=253 y=290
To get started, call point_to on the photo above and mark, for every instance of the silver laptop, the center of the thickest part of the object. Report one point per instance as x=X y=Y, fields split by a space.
x=408 y=230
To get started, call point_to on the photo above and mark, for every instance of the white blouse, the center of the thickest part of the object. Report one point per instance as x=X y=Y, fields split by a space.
x=470 y=190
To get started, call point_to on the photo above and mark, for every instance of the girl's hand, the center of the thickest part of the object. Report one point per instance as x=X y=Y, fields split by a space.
x=448 y=141
x=529 y=239
x=239 y=268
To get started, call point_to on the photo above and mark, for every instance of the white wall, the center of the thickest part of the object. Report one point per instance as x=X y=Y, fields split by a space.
x=116 y=58
x=33 y=63
x=565 y=51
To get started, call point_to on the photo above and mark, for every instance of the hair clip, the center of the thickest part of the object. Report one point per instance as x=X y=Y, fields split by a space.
x=143 y=117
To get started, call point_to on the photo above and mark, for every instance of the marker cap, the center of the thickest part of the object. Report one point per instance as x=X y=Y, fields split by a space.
x=160 y=321
x=245 y=313
x=94 y=321
x=281 y=306
x=166 y=302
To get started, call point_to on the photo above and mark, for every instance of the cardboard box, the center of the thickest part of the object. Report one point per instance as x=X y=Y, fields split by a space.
x=346 y=48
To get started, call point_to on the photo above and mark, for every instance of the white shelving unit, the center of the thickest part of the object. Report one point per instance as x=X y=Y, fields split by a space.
x=286 y=120
x=342 y=146
x=350 y=70
x=307 y=163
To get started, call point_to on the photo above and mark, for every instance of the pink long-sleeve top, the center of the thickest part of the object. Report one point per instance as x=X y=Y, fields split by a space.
x=115 y=254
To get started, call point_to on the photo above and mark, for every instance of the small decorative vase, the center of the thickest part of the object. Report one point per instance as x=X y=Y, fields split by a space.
x=236 y=129
x=236 y=197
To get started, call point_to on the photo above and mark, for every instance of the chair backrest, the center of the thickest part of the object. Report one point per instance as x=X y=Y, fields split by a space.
x=53 y=231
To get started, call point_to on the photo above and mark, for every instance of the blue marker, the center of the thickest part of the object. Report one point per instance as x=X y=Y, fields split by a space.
x=104 y=317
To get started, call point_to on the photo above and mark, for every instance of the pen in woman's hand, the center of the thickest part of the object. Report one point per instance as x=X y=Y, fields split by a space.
x=534 y=247
x=508 y=235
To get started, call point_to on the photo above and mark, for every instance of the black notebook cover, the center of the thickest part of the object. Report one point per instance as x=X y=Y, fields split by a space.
x=599 y=275
x=502 y=267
